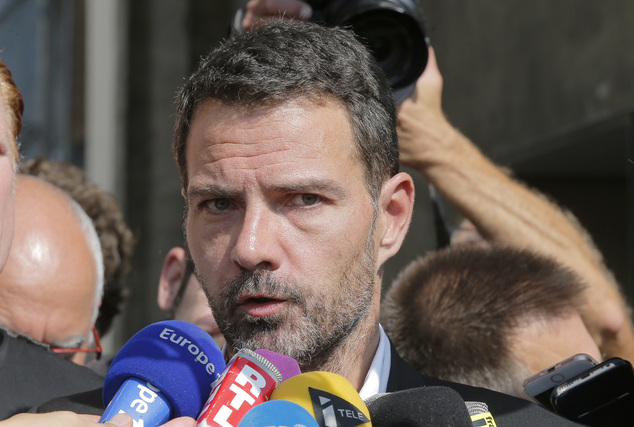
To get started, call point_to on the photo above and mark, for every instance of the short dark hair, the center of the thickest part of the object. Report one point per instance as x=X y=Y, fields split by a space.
x=292 y=60
x=117 y=240
x=451 y=314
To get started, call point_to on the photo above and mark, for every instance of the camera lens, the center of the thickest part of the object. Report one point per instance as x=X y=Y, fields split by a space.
x=395 y=42
x=393 y=31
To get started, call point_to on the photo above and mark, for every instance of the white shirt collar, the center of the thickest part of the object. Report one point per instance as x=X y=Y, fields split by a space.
x=379 y=372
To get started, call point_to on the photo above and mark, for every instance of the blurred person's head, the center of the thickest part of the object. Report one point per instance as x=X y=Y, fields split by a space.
x=181 y=295
x=488 y=317
x=11 y=108
x=117 y=240
x=51 y=286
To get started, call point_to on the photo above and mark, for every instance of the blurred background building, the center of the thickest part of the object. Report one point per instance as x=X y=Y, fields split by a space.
x=543 y=87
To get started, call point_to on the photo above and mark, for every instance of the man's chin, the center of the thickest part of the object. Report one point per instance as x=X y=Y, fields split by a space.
x=269 y=340
x=282 y=339
x=253 y=333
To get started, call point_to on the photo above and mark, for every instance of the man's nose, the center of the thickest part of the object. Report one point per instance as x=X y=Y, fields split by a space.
x=257 y=244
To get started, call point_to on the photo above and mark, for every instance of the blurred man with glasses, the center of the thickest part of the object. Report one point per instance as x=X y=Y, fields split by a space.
x=52 y=283
x=50 y=291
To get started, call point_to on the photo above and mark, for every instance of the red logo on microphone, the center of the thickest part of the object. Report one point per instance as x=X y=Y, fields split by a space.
x=243 y=384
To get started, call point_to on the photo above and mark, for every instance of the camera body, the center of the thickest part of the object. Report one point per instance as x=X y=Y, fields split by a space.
x=393 y=31
x=600 y=397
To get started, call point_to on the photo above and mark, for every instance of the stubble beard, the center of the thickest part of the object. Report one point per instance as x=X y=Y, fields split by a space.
x=314 y=327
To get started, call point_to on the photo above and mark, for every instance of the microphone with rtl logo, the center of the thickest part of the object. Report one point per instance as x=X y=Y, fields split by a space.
x=248 y=380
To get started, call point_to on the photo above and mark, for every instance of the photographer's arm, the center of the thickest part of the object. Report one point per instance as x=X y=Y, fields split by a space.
x=505 y=211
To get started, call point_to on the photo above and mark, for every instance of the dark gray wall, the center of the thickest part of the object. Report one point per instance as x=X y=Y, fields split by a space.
x=41 y=44
x=518 y=71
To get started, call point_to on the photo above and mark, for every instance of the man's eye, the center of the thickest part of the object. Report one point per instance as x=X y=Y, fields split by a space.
x=221 y=204
x=305 y=199
x=216 y=205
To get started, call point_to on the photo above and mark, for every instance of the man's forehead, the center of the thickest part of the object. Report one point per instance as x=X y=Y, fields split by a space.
x=212 y=109
x=287 y=132
x=290 y=154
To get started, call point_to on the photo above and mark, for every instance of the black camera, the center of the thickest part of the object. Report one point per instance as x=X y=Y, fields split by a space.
x=391 y=29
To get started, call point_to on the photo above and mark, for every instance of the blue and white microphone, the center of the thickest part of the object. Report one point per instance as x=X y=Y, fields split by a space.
x=164 y=371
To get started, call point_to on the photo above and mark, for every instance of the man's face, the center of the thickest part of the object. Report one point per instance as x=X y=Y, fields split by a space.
x=6 y=188
x=280 y=227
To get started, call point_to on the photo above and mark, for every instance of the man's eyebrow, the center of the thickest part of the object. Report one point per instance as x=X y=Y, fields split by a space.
x=312 y=186
x=317 y=185
x=203 y=191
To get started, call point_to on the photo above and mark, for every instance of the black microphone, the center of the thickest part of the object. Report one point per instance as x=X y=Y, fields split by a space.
x=423 y=406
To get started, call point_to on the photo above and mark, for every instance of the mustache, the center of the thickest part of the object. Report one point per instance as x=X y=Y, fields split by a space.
x=260 y=282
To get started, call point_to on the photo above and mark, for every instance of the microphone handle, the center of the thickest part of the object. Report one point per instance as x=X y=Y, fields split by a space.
x=147 y=405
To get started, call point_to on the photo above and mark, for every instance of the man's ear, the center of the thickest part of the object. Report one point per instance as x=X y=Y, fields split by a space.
x=171 y=277
x=396 y=204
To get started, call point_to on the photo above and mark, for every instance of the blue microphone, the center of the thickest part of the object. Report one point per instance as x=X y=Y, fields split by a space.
x=162 y=372
x=278 y=413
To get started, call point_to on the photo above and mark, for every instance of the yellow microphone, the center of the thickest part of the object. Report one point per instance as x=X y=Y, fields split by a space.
x=328 y=397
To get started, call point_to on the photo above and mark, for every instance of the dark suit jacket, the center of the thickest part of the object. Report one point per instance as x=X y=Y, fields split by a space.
x=506 y=410
x=30 y=375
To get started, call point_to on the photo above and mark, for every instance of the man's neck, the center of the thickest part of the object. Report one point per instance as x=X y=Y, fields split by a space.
x=353 y=358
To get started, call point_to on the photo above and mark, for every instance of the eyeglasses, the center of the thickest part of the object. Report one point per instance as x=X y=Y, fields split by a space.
x=70 y=351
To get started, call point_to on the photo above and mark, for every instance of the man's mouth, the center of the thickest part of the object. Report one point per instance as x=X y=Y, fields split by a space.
x=260 y=305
